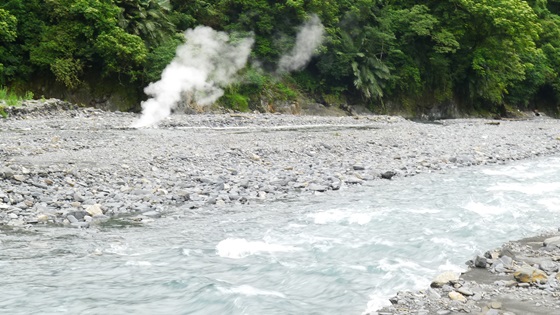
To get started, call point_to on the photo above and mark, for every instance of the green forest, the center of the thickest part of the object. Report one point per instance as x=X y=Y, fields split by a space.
x=485 y=56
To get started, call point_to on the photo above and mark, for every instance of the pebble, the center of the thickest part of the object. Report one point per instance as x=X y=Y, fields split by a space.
x=527 y=274
x=465 y=291
x=444 y=278
x=496 y=304
x=20 y=178
x=456 y=296
x=94 y=210
x=480 y=262
x=552 y=241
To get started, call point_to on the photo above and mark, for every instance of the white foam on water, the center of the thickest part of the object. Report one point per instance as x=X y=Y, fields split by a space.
x=419 y=275
x=325 y=217
x=296 y=226
x=248 y=290
x=380 y=296
x=356 y=267
x=339 y=216
x=119 y=249
x=551 y=204
x=237 y=248
x=398 y=264
x=525 y=171
x=424 y=211
x=140 y=263
x=384 y=242
x=427 y=231
x=444 y=241
x=359 y=218
x=448 y=266
x=517 y=172
x=484 y=210
x=536 y=188
x=377 y=301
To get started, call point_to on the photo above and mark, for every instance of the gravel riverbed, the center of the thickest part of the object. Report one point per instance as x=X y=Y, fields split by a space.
x=77 y=167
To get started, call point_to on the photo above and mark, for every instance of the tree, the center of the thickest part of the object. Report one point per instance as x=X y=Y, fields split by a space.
x=82 y=34
x=420 y=58
x=8 y=26
x=357 y=51
x=494 y=37
x=8 y=33
x=122 y=53
x=147 y=19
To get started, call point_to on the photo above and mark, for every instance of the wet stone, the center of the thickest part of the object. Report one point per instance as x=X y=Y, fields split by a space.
x=72 y=218
x=316 y=187
x=151 y=214
x=94 y=210
x=444 y=278
x=79 y=215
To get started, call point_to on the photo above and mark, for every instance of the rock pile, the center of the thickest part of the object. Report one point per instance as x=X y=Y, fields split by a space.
x=519 y=278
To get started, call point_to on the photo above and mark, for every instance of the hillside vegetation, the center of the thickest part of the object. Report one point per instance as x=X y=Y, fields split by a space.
x=485 y=57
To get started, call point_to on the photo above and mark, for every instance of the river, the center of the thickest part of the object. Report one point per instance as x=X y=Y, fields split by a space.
x=340 y=252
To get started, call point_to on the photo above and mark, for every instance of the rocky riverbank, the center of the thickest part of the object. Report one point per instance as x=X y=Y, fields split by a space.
x=521 y=277
x=69 y=166
x=61 y=164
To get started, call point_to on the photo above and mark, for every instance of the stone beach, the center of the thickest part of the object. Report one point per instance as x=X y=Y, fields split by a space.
x=76 y=167
x=521 y=277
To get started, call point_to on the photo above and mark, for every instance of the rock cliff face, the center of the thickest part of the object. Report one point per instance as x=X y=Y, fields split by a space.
x=113 y=95
x=109 y=94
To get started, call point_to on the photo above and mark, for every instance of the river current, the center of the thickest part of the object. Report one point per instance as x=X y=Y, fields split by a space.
x=343 y=252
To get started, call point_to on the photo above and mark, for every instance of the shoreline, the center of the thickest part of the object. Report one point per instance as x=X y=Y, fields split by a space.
x=78 y=167
x=520 y=277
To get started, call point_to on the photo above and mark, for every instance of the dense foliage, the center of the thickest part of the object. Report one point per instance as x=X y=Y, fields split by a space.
x=484 y=55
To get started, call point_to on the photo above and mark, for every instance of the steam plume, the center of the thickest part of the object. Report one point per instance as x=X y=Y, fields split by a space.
x=205 y=63
x=308 y=39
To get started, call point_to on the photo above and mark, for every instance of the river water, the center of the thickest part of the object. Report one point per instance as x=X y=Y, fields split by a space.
x=341 y=252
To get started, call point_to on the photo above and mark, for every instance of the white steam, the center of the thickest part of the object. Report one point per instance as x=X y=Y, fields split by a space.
x=207 y=62
x=308 y=40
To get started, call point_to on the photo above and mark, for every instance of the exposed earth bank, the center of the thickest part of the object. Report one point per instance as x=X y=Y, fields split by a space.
x=77 y=167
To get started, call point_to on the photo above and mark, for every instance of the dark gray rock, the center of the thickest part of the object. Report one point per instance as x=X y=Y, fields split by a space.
x=79 y=215
x=480 y=262
x=358 y=167
x=388 y=174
